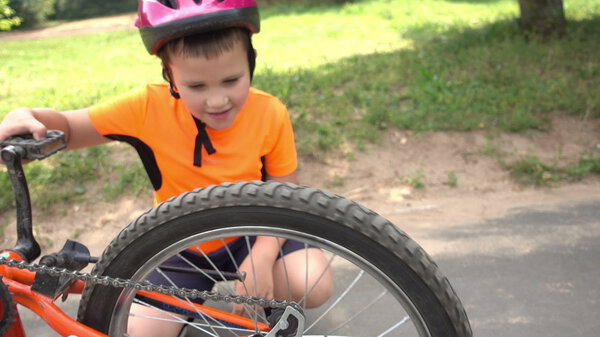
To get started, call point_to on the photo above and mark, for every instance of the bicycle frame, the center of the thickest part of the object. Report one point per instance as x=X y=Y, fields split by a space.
x=19 y=283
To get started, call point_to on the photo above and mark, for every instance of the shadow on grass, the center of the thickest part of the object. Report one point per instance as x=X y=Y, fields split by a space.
x=456 y=78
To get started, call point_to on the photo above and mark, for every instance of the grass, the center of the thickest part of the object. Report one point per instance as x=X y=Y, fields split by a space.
x=452 y=179
x=336 y=181
x=346 y=70
x=415 y=180
x=532 y=171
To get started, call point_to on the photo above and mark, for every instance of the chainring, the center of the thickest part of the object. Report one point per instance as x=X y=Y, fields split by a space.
x=7 y=308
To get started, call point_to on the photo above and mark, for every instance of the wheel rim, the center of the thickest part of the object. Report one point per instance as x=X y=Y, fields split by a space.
x=320 y=321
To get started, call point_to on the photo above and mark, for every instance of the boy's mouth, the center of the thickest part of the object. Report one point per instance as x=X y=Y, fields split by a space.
x=220 y=114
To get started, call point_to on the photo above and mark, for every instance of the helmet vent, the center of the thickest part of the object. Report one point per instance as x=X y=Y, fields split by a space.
x=169 y=3
x=198 y=2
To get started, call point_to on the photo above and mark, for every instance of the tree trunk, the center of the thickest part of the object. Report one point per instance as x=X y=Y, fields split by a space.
x=543 y=17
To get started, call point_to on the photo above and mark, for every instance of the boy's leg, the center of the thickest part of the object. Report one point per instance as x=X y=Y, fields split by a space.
x=142 y=322
x=304 y=275
x=147 y=321
x=290 y=278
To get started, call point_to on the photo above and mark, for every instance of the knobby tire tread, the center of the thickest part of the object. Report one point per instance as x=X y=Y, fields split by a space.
x=302 y=199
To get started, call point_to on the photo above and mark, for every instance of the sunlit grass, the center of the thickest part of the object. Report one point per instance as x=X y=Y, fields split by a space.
x=347 y=71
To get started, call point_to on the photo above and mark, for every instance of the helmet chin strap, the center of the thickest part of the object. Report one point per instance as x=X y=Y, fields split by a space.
x=251 y=58
x=166 y=73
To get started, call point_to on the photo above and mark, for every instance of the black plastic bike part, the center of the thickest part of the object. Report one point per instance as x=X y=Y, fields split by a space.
x=73 y=256
x=228 y=276
x=7 y=308
x=26 y=246
x=14 y=150
x=38 y=149
x=288 y=327
x=51 y=286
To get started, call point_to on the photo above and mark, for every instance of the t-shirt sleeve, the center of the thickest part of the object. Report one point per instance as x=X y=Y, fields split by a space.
x=123 y=115
x=282 y=160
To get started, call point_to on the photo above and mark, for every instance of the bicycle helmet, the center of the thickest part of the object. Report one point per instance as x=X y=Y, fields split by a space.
x=160 y=21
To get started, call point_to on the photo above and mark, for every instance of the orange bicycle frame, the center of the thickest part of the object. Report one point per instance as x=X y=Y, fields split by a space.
x=19 y=283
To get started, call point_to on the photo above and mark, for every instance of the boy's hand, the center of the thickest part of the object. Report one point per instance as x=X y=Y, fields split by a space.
x=22 y=121
x=258 y=266
x=259 y=282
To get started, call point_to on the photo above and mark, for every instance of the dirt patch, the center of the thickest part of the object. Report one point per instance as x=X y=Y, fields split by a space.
x=378 y=177
x=381 y=177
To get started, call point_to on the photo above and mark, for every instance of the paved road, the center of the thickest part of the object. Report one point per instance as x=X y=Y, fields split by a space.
x=533 y=272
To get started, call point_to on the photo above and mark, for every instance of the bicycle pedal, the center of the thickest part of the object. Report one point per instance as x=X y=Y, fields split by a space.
x=38 y=149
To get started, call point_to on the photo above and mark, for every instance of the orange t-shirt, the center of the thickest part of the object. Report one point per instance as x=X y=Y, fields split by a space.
x=163 y=132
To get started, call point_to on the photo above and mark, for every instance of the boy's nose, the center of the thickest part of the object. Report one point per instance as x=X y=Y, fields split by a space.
x=217 y=101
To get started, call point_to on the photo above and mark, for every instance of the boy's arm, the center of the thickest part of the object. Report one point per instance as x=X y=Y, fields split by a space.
x=81 y=130
x=290 y=178
x=76 y=124
x=265 y=252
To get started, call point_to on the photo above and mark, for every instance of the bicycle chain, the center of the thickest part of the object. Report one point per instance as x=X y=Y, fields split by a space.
x=146 y=286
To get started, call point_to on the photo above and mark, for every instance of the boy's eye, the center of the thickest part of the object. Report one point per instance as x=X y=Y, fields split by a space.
x=196 y=86
x=231 y=80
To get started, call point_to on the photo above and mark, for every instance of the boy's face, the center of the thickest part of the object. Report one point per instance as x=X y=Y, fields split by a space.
x=214 y=90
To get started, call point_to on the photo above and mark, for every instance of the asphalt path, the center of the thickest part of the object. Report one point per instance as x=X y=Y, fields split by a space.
x=533 y=272
x=546 y=283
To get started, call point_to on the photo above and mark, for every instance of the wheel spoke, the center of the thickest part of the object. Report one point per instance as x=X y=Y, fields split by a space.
x=334 y=304
x=285 y=269
x=189 y=302
x=362 y=276
x=358 y=313
x=174 y=320
x=222 y=276
x=318 y=279
x=393 y=327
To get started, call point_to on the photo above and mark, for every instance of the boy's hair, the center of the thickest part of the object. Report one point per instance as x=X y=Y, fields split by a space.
x=209 y=45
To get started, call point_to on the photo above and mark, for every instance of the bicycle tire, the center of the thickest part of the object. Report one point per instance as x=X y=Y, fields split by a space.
x=332 y=222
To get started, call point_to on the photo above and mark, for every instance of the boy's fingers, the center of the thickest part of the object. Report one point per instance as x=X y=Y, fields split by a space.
x=238 y=309
x=39 y=131
x=22 y=121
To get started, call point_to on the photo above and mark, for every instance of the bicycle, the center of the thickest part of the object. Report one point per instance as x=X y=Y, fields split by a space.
x=385 y=283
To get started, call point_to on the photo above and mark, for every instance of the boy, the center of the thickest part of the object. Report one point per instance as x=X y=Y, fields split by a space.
x=206 y=126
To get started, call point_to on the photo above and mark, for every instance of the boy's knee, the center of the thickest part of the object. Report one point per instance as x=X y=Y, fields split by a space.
x=317 y=287
x=320 y=293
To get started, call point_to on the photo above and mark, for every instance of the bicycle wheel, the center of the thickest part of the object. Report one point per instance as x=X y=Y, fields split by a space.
x=384 y=283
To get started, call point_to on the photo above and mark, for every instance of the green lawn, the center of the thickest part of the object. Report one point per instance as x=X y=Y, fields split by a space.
x=346 y=71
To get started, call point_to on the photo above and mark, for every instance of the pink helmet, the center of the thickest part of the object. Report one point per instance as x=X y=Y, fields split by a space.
x=160 y=21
